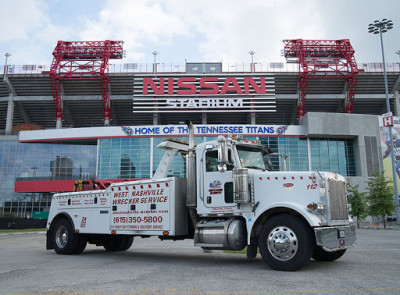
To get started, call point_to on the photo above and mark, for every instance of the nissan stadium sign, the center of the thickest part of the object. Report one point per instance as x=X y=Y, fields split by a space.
x=201 y=93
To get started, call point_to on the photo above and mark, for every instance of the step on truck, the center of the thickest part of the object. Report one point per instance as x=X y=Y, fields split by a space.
x=229 y=200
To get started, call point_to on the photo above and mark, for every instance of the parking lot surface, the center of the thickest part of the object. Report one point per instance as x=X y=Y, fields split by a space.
x=152 y=266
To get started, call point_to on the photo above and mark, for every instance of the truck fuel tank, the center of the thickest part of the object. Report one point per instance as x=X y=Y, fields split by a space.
x=222 y=234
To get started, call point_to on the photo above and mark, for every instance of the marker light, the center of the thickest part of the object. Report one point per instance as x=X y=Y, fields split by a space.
x=319 y=207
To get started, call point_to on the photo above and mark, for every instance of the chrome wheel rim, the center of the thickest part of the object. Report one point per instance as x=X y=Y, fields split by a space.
x=282 y=243
x=61 y=237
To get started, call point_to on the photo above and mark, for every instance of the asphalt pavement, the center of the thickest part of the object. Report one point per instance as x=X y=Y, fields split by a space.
x=152 y=266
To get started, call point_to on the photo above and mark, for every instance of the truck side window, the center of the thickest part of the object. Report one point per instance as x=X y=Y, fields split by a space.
x=212 y=161
x=228 y=189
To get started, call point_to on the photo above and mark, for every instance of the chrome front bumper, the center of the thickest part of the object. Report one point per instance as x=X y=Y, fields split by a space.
x=335 y=238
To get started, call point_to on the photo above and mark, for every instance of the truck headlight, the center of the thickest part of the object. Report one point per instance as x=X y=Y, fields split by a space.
x=319 y=207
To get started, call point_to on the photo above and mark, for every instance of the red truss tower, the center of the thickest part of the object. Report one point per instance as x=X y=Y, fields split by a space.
x=323 y=59
x=83 y=60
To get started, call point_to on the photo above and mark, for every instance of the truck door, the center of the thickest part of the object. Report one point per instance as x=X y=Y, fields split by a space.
x=217 y=186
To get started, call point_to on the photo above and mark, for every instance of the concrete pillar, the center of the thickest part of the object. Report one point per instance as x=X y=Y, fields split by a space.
x=253 y=118
x=10 y=114
x=396 y=111
x=59 y=123
x=155 y=119
x=204 y=118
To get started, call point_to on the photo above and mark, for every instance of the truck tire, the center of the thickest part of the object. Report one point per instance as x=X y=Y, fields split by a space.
x=82 y=242
x=65 y=241
x=285 y=243
x=322 y=255
x=118 y=243
x=128 y=243
x=251 y=251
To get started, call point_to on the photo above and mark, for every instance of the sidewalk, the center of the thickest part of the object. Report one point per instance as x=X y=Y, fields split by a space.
x=16 y=232
x=390 y=226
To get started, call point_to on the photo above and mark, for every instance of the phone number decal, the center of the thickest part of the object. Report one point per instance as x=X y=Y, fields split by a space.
x=145 y=219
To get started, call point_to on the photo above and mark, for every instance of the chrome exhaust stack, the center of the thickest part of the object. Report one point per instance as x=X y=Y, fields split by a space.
x=241 y=193
x=191 y=200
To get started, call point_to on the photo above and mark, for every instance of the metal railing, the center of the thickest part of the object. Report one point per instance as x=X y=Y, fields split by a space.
x=269 y=67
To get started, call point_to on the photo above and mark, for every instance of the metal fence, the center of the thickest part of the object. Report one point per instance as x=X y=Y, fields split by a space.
x=272 y=67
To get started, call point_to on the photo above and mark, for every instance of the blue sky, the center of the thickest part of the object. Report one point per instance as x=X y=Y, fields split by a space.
x=207 y=30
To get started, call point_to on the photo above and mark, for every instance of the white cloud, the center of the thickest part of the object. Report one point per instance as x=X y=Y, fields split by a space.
x=29 y=35
x=206 y=30
x=232 y=28
x=20 y=18
x=135 y=22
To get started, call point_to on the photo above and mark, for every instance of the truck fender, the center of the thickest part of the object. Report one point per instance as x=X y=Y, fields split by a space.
x=262 y=214
x=49 y=233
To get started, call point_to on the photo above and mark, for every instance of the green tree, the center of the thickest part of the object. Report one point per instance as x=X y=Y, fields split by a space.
x=357 y=200
x=380 y=196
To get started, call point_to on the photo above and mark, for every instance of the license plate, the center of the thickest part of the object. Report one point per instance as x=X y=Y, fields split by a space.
x=342 y=233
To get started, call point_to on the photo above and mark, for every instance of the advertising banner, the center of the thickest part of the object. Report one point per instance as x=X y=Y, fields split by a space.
x=384 y=122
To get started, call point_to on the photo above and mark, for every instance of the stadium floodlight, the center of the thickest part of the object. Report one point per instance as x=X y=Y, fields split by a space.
x=155 y=61
x=7 y=55
x=380 y=27
x=252 y=61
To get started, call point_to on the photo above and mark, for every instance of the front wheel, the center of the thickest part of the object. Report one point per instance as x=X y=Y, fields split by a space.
x=322 y=255
x=285 y=242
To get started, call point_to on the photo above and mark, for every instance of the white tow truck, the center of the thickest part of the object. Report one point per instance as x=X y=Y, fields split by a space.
x=229 y=200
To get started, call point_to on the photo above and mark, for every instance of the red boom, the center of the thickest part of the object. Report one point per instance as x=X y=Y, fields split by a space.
x=323 y=59
x=83 y=60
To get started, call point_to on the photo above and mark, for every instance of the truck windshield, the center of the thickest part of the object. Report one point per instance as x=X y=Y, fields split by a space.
x=254 y=157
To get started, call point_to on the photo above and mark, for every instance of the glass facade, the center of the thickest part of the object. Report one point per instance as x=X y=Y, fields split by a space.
x=178 y=166
x=336 y=155
x=131 y=157
x=34 y=161
x=124 y=158
x=138 y=158
x=295 y=148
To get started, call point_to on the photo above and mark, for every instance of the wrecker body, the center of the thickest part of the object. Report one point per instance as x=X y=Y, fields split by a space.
x=229 y=200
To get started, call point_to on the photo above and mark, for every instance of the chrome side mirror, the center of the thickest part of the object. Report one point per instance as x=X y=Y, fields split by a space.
x=222 y=167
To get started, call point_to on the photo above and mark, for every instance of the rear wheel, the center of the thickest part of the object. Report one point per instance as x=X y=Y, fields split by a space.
x=65 y=241
x=118 y=243
x=322 y=255
x=285 y=242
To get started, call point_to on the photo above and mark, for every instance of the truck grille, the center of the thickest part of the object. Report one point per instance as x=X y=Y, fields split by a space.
x=337 y=199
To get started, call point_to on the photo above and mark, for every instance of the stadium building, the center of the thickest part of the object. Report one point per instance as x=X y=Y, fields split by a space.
x=84 y=117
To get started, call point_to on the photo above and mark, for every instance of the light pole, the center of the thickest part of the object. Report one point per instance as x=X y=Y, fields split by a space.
x=252 y=61
x=7 y=55
x=380 y=27
x=155 y=61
